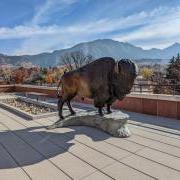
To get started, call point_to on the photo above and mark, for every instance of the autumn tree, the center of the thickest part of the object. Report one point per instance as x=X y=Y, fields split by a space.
x=49 y=79
x=34 y=76
x=20 y=75
x=6 y=74
x=146 y=73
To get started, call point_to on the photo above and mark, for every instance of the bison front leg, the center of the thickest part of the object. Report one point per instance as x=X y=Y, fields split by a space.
x=100 y=106
x=100 y=111
x=109 y=109
x=109 y=104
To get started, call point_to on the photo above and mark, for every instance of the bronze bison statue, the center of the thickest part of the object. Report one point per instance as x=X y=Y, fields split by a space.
x=103 y=80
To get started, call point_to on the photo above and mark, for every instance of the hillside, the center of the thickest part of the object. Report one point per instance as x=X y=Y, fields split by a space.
x=98 y=48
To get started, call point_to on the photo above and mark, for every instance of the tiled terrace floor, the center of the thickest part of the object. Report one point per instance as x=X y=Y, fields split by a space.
x=29 y=151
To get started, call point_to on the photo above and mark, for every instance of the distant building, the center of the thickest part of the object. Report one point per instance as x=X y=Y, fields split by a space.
x=27 y=64
x=6 y=66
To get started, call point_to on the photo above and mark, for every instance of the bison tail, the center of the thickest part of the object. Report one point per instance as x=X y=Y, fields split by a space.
x=59 y=93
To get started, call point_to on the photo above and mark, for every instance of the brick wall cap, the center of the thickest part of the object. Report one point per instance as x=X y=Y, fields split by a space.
x=35 y=86
x=165 y=97
x=6 y=85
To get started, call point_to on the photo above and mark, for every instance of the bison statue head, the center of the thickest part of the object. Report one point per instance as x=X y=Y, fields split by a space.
x=124 y=75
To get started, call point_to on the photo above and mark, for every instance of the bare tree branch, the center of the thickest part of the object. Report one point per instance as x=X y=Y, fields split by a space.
x=76 y=59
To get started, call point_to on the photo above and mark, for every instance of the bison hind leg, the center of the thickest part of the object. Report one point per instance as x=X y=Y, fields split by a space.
x=60 y=106
x=70 y=108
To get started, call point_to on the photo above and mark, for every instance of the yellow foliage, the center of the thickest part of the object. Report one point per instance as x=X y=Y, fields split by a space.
x=146 y=73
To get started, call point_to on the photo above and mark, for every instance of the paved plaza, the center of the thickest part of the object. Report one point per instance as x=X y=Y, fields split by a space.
x=29 y=151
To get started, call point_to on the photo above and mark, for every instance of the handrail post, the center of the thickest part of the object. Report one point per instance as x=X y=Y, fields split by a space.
x=140 y=88
x=174 y=90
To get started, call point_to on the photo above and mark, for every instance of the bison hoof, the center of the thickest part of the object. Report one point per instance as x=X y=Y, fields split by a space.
x=101 y=114
x=73 y=113
x=109 y=112
x=61 y=117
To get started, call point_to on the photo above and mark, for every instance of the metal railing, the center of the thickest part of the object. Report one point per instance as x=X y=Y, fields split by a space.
x=140 y=88
x=173 y=89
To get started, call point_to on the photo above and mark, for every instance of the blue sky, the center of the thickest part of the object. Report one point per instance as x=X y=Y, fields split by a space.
x=35 y=26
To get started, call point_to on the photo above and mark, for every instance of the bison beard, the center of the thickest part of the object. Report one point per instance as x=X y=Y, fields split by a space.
x=103 y=80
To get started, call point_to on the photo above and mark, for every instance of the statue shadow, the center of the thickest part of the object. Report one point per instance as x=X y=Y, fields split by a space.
x=33 y=145
x=143 y=119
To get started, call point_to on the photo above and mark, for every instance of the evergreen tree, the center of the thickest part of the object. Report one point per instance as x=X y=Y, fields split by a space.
x=173 y=73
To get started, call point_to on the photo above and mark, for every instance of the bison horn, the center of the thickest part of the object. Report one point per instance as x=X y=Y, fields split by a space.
x=116 y=68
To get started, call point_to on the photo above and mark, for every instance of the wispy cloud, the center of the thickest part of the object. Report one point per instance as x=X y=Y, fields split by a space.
x=159 y=33
x=44 y=12
x=160 y=26
x=95 y=27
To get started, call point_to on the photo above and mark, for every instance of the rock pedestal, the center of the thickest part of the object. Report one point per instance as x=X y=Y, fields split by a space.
x=114 y=123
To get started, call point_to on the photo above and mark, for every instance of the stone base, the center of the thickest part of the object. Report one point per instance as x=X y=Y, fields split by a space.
x=114 y=124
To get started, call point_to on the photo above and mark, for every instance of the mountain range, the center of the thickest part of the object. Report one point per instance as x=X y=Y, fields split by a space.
x=99 y=48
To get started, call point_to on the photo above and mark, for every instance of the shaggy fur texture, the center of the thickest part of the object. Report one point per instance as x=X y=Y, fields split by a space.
x=103 y=80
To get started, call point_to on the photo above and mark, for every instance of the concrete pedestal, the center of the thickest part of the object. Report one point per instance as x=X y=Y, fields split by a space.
x=114 y=123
